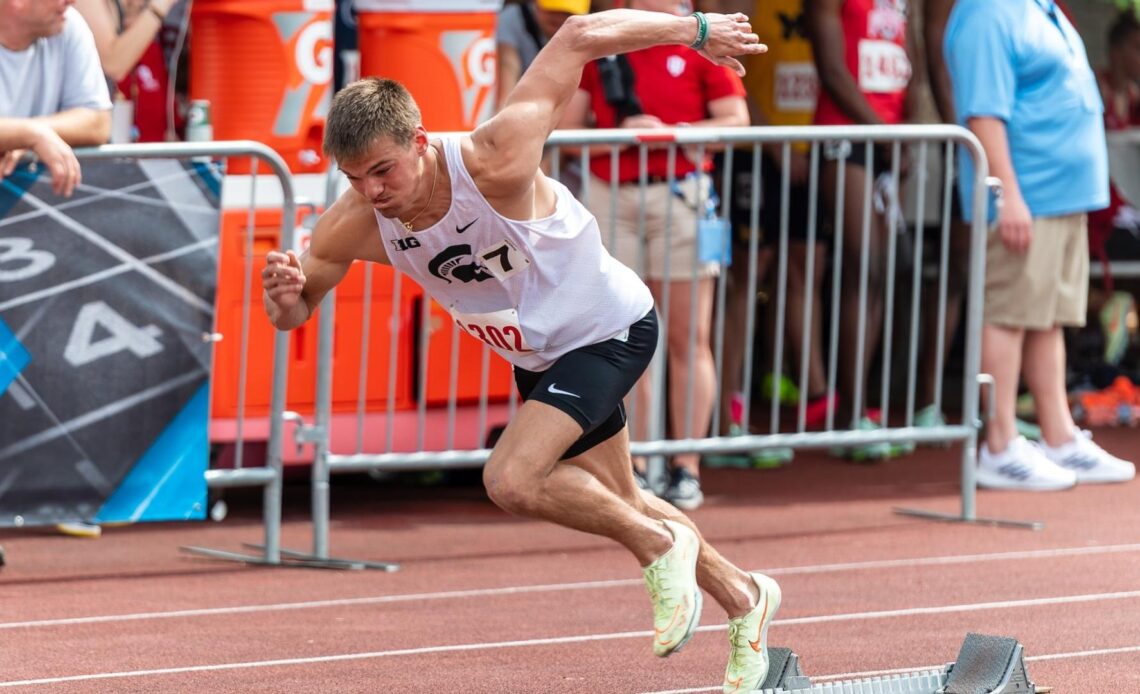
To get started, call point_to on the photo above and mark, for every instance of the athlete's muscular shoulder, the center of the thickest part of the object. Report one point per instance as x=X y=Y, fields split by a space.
x=348 y=231
x=508 y=179
x=492 y=159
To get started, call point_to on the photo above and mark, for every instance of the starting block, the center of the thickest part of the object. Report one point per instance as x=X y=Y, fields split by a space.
x=985 y=665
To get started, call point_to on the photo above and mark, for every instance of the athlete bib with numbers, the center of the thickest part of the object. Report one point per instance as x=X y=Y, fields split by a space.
x=797 y=86
x=883 y=67
x=499 y=329
x=783 y=80
x=532 y=290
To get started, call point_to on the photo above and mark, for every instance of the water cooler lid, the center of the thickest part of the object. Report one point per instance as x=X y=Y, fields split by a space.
x=473 y=6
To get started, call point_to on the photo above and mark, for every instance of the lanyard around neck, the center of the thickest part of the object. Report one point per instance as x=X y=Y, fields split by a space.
x=1049 y=7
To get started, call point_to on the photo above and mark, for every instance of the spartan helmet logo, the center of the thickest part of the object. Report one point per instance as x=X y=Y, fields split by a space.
x=458 y=262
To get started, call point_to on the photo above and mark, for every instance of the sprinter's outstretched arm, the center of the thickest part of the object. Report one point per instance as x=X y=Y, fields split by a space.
x=508 y=148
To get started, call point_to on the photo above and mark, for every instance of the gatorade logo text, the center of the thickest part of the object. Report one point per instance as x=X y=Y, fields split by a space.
x=472 y=57
x=314 y=52
x=308 y=35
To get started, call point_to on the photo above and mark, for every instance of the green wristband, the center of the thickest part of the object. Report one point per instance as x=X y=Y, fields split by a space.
x=702 y=32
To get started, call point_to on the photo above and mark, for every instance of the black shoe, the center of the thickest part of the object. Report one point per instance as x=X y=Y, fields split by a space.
x=684 y=490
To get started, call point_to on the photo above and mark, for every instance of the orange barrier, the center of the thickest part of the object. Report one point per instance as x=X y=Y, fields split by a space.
x=443 y=51
x=303 y=350
x=265 y=66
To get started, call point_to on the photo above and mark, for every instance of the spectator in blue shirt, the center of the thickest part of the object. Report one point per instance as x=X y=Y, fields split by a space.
x=1023 y=85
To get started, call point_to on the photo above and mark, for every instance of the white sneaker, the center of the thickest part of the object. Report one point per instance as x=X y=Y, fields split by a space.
x=1022 y=465
x=1090 y=462
x=78 y=529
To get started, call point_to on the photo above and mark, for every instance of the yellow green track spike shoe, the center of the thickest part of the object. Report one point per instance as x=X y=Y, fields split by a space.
x=672 y=583
x=748 y=636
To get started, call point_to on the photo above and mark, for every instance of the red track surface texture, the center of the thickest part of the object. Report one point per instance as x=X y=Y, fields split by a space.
x=489 y=603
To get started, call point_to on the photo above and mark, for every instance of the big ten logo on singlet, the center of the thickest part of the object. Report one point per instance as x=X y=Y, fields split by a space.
x=499 y=329
x=797 y=86
x=308 y=36
x=472 y=58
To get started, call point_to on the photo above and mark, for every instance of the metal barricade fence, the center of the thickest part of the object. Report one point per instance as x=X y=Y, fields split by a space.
x=268 y=476
x=429 y=422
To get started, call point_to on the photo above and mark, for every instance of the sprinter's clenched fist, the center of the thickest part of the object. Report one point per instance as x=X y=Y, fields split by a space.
x=283 y=279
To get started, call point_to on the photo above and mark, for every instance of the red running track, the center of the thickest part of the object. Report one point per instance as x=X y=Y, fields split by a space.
x=489 y=603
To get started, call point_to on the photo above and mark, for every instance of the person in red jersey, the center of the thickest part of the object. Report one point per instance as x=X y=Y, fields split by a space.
x=862 y=52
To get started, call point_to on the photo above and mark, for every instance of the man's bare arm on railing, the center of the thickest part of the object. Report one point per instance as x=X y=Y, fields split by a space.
x=80 y=127
x=19 y=134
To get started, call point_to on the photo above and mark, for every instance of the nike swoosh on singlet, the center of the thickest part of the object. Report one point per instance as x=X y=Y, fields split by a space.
x=465 y=227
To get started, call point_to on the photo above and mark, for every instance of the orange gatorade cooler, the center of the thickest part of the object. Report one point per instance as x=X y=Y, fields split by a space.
x=266 y=68
x=443 y=51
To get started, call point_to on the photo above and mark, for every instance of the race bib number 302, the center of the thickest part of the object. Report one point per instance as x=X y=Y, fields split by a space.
x=883 y=67
x=499 y=329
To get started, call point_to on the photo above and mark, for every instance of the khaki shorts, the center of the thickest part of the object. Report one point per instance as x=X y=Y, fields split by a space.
x=1046 y=287
x=645 y=253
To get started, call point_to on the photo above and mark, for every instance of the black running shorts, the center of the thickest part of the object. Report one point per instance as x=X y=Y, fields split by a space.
x=590 y=382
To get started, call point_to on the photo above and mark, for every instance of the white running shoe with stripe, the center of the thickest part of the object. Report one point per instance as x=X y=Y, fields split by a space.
x=1089 y=462
x=1022 y=465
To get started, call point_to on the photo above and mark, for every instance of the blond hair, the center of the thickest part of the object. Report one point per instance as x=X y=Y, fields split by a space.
x=365 y=111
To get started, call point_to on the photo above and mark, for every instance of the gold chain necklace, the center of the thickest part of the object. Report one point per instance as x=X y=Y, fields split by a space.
x=431 y=196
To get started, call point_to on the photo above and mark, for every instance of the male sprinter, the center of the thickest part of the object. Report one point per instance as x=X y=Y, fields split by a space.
x=520 y=264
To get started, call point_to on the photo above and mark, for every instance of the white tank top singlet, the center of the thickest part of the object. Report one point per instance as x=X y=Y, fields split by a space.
x=533 y=290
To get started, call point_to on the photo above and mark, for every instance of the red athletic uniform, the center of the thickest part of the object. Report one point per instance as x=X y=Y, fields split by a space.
x=875 y=50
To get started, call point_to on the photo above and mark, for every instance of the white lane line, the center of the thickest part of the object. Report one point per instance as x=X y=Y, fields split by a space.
x=554 y=587
x=342 y=602
x=854 y=616
x=330 y=658
x=943 y=609
x=922 y=668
